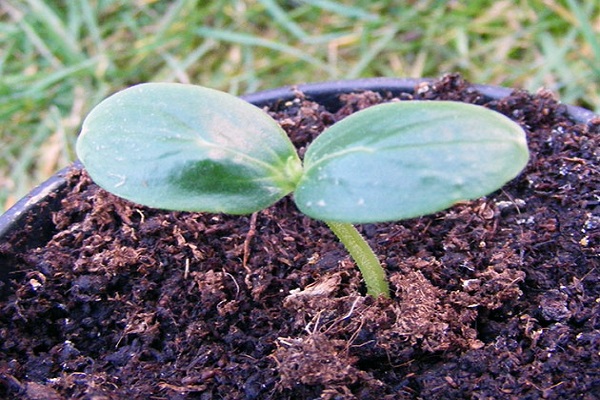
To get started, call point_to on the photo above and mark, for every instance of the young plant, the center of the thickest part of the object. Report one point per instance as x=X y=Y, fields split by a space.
x=190 y=148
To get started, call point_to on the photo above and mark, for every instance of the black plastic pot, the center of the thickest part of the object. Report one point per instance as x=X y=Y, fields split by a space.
x=35 y=208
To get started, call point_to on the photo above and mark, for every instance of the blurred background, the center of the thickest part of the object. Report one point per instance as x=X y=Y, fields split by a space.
x=60 y=58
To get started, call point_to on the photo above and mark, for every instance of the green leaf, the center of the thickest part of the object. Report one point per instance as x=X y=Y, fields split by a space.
x=184 y=147
x=406 y=159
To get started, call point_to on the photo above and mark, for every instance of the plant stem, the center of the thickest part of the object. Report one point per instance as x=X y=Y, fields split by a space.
x=366 y=260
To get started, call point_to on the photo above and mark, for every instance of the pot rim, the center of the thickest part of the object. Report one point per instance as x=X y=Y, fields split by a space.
x=46 y=196
x=328 y=90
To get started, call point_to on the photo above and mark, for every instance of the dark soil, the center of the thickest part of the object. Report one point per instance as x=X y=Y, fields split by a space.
x=497 y=298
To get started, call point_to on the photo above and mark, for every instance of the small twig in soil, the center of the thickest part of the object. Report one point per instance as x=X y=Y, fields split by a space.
x=316 y=320
x=142 y=216
x=249 y=236
x=351 y=309
x=237 y=287
x=186 y=270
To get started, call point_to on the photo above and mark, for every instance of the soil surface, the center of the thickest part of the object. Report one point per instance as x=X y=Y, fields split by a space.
x=497 y=298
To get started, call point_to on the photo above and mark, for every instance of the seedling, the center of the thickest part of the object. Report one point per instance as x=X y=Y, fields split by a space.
x=190 y=148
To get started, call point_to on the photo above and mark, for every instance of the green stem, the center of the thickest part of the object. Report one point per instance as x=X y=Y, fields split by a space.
x=366 y=260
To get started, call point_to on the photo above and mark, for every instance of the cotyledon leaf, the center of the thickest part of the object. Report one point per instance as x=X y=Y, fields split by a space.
x=185 y=147
x=406 y=159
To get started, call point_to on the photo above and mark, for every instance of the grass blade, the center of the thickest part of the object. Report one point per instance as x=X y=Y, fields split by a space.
x=250 y=40
x=343 y=10
x=283 y=19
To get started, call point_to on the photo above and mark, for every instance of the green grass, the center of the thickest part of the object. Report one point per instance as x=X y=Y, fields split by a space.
x=59 y=58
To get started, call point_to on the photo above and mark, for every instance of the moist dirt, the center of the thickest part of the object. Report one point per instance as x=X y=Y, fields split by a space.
x=497 y=298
